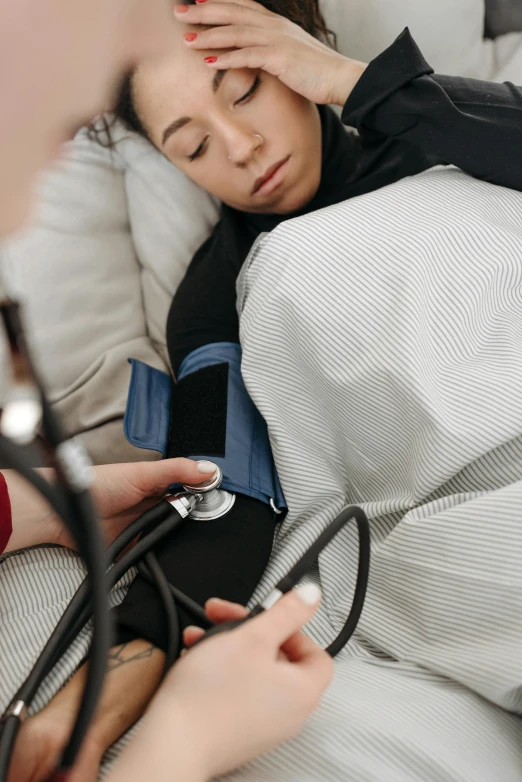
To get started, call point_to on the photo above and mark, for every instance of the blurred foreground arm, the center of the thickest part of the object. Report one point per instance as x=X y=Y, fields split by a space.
x=233 y=697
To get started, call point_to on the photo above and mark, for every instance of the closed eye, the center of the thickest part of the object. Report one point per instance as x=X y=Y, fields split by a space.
x=198 y=151
x=246 y=97
x=253 y=89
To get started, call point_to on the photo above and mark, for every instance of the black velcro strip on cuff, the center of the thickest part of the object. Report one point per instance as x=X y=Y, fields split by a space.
x=198 y=421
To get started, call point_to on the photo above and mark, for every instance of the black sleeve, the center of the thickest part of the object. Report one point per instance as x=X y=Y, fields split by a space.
x=227 y=557
x=204 y=309
x=474 y=125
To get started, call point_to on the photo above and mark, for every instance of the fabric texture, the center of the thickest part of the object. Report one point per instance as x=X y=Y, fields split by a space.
x=147 y=413
x=389 y=370
x=227 y=556
x=6 y=522
x=429 y=687
x=454 y=35
x=169 y=218
x=408 y=119
x=247 y=463
x=77 y=273
x=197 y=426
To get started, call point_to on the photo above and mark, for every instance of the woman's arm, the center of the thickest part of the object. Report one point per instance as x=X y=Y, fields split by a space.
x=133 y=674
x=472 y=124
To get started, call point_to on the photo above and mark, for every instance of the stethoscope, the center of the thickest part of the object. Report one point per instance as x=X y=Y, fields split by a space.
x=26 y=412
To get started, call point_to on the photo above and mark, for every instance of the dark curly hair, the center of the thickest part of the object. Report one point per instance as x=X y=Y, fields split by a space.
x=305 y=13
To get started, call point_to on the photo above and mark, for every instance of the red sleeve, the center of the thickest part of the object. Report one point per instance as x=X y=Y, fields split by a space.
x=6 y=523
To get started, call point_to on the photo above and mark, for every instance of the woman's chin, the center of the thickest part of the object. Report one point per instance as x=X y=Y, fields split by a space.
x=294 y=202
x=292 y=199
x=299 y=196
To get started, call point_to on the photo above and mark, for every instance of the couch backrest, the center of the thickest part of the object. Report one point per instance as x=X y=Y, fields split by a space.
x=449 y=32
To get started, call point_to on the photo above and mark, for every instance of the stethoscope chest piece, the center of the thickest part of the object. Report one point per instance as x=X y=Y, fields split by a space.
x=212 y=501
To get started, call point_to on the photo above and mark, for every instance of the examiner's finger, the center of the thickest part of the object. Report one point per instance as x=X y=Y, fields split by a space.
x=298 y=646
x=156 y=477
x=315 y=663
x=222 y=611
x=192 y=634
x=288 y=615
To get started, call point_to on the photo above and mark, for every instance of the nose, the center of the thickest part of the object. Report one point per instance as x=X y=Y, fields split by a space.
x=242 y=145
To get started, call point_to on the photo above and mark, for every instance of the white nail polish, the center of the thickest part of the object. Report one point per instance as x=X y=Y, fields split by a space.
x=309 y=593
x=208 y=468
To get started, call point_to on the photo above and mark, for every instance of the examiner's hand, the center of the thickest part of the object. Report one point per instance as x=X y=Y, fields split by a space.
x=249 y=689
x=264 y=40
x=122 y=492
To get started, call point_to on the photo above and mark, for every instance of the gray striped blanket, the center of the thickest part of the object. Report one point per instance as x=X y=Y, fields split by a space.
x=383 y=344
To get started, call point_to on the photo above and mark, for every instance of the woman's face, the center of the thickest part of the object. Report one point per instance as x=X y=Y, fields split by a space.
x=229 y=130
x=59 y=62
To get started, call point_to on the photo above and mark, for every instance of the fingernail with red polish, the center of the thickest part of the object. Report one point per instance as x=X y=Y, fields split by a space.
x=200 y=1
x=181 y=9
x=210 y=60
x=189 y=37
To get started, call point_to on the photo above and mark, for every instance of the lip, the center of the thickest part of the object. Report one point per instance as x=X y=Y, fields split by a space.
x=271 y=179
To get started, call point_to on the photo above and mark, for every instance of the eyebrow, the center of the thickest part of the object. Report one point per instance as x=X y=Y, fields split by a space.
x=182 y=121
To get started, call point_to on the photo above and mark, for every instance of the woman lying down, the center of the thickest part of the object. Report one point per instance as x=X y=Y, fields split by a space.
x=398 y=387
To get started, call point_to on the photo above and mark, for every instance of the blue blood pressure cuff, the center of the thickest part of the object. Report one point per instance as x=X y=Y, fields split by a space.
x=206 y=414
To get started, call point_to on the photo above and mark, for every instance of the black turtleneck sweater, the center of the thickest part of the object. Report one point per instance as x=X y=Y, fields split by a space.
x=408 y=120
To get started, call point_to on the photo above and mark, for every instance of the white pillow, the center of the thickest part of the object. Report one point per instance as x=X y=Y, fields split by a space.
x=450 y=33
x=77 y=267
x=170 y=217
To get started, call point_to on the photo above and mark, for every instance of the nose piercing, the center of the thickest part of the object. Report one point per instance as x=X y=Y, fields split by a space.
x=261 y=142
